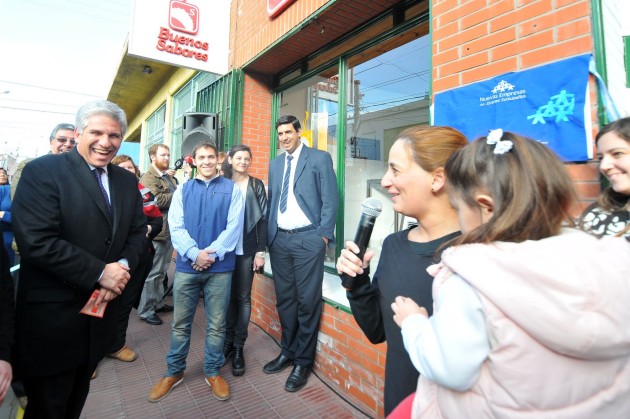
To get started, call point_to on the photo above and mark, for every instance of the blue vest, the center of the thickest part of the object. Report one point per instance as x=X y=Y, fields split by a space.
x=206 y=208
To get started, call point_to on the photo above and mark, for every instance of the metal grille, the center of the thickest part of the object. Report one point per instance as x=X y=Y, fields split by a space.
x=223 y=97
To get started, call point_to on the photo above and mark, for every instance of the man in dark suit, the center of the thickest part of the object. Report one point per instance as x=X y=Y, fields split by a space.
x=303 y=202
x=80 y=228
x=6 y=322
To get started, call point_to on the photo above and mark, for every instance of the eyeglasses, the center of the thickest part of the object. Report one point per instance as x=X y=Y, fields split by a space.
x=63 y=140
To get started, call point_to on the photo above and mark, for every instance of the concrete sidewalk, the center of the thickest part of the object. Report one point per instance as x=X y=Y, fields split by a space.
x=120 y=390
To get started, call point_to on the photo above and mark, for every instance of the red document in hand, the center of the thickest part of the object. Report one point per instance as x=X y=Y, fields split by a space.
x=91 y=309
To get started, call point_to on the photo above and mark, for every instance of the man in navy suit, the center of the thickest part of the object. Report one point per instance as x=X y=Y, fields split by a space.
x=303 y=206
x=79 y=226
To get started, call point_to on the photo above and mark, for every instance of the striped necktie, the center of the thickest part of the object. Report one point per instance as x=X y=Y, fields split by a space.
x=284 y=195
x=98 y=172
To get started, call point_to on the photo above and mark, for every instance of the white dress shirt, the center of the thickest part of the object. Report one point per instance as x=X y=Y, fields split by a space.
x=293 y=217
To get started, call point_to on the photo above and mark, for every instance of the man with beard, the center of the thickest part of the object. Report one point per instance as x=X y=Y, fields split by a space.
x=77 y=248
x=162 y=185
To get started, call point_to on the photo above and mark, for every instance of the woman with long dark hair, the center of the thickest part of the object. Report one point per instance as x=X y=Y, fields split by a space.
x=236 y=167
x=610 y=215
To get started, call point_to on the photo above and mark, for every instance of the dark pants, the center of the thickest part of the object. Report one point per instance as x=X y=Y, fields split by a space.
x=58 y=396
x=240 y=308
x=8 y=243
x=297 y=262
x=129 y=299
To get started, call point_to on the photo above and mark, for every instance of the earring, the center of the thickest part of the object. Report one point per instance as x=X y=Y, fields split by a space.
x=433 y=189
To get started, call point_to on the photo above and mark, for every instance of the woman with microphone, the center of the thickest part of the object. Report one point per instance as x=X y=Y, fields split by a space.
x=415 y=181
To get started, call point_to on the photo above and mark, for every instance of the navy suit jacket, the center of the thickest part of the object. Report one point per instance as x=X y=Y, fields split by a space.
x=314 y=187
x=66 y=236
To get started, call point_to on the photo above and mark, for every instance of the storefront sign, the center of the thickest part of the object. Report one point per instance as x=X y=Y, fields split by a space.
x=548 y=103
x=186 y=34
x=275 y=7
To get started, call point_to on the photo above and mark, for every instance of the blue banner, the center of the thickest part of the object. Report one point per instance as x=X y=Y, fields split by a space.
x=546 y=103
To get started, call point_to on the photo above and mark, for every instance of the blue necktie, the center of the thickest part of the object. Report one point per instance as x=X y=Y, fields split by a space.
x=284 y=195
x=97 y=172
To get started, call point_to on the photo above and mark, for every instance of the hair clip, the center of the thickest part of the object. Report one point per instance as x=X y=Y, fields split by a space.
x=500 y=146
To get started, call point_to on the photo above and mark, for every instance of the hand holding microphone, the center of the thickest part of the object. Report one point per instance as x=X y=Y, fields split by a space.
x=353 y=258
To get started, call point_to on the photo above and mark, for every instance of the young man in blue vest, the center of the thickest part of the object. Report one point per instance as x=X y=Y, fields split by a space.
x=206 y=223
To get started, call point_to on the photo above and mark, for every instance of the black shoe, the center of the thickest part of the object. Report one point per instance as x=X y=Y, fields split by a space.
x=297 y=379
x=277 y=365
x=152 y=319
x=228 y=350
x=165 y=309
x=238 y=362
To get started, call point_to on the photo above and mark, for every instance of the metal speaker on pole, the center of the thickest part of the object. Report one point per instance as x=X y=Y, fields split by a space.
x=197 y=127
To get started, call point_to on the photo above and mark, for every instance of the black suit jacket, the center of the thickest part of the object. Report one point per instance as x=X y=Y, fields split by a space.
x=66 y=236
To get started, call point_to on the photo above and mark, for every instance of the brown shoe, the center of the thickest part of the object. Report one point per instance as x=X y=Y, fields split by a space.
x=125 y=355
x=219 y=386
x=164 y=386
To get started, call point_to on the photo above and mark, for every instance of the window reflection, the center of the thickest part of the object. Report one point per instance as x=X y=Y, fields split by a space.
x=389 y=93
x=315 y=103
x=385 y=93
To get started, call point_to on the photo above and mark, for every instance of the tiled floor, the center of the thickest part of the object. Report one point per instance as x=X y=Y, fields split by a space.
x=120 y=390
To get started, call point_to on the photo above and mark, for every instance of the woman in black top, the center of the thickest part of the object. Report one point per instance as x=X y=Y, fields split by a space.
x=415 y=180
x=236 y=167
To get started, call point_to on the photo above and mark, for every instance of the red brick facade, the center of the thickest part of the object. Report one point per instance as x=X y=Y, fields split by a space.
x=472 y=40
x=479 y=39
x=257 y=122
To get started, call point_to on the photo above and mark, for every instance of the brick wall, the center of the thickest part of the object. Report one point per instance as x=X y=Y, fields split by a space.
x=256 y=123
x=251 y=31
x=478 y=39
x=345 y=359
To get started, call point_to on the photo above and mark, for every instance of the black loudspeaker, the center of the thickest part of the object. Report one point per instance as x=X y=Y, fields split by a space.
x=197 y=127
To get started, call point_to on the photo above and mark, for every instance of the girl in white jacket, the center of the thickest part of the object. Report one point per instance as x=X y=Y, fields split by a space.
x=530 y=317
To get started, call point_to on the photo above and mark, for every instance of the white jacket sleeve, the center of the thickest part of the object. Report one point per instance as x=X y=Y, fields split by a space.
x=449 y=347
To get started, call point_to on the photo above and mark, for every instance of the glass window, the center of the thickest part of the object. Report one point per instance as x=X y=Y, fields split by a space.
x=387 y=94
x=155 y=131
x=315 y=103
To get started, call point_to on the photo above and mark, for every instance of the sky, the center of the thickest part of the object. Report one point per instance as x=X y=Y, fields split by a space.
x=55 y=55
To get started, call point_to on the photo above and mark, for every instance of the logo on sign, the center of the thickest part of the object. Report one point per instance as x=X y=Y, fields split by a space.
x=183 y=17
x=502 y=92
x=502 y=87
x=275 y=7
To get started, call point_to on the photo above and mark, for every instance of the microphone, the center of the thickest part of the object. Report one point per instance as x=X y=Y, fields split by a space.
x=370 y=209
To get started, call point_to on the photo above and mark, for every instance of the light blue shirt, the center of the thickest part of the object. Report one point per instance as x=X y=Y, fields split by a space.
x=229 y=239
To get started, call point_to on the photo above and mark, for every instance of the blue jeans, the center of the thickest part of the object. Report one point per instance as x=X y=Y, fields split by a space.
x=216 y=294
